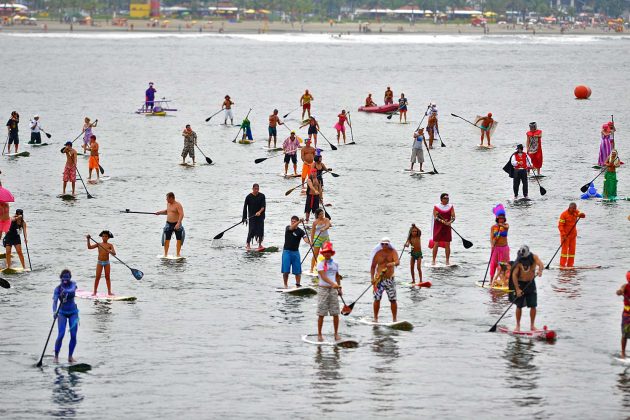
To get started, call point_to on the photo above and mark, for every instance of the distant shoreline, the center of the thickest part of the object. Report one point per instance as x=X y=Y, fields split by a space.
x=262 y=27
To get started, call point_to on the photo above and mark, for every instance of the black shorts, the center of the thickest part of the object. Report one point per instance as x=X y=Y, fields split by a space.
x=312 y=204
x=529 y=297
x=312 y=130
x=11 y=240
x=293 y=158
x=14 y=139
x=36 y=138
x=168 y=232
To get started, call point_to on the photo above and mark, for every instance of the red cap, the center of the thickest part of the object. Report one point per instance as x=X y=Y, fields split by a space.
x=628 y=276
x=327 y=249
x=489 y=114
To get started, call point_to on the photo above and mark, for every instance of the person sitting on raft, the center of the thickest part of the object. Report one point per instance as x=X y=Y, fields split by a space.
x=369 y=102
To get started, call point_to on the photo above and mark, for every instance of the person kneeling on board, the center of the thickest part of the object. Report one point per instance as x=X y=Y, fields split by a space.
x=291 y=261
x=328 y=291
x=384 y=259
x=523 y=282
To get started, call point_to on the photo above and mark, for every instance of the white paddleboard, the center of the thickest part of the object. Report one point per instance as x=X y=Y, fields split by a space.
x=171 y=257
x=625 y=361
x=40 y=144
x=484 y=147
x=20 y=154
x=577 y=267
x=438 y=265
x=398 y=325
x=329 y=340
x=84 y=294
x=414 y=172
x=298 y=291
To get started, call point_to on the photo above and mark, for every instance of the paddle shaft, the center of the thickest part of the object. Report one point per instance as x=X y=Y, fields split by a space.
x=457 y=233
x=494 y=327
x=220 y=234
x=585 y=186
x=293 y=110
x=441 y=142
x=350 y=124
x=260 y=160
x=297 y=186
x=210 y=117
x=471 y=123
x=361 y=295
x=332 y=146
x=562 y=243
x=103 y=248
x=309 y=243
x=241 y=127
x=137 y=212
x=39 y=364
x=425 y=114
x=5 y=143
x=204 y=155
x=82 y=131
x=429 y=152
x=28 y=255
x=488 y=267
x=81 y=178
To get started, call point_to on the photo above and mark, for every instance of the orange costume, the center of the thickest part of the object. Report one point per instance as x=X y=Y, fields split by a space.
x=568 y=235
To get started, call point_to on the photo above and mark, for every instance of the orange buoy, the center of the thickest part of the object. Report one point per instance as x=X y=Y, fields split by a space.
x=582 y=92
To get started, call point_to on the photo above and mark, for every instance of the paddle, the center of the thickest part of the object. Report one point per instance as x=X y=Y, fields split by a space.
x=220 y=235
x=287 y=114
x=421 y=120
x=47 y=135
x=351 y=133
x=542 y=190
x=562 y=243
x=309 y=243
x=348 y=308
x=391 y=114
x=210 y=117
x=494 y=327
x=136 y=273
x=467 y=244
x=138 y=212
x=27 y=253
x=332 y=146
x=5 y=144
x=430 y=158
x=81 y=178
x=268 y=157
x=80 y=134
x=441 y=142
x=100 y=168
x=289 y=191
x=585 y=186
x=454 y=115
x=39 y=364
x=241 y=127
x=204 y=155
x=324 y=208
x=4 y=284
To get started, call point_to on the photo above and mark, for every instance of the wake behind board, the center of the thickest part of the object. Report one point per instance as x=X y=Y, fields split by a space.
x=15 y=270
x=298 y=291
x=576 y=267
x=329 y=340
x=544 y=334
x=398 y=325
x=20 y=154
x=171 y=257
x=84 y=294
x=486 y=285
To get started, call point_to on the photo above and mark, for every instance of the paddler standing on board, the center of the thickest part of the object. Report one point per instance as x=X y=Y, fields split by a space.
x=305 y=103
x=174 y=216
x=290 y=147
x=389 y=96
x=417 y=153
x=534 y=147
x=610 y=178
x=500 y=251
x=402 y=107
x=93 y=162
x=36 y=136
x=624 y=291
x=307 y=154
x=522 y=280
x=443 y=217
x=567 y=224
x=149 y=97
x=291 y=261
x=414 y=241
x=254 y=214
x=274 y=121
x=328 y=291
x=432 y=127
x=12 y=129
x=190 y=141
x=313 y=128
x=227 y=107
x=485 y=126
x=104 y=249
x=521 y=163
x=70 y=170
x=369 y=102
x=67 y=313
x=384 y=259
x=313 y=194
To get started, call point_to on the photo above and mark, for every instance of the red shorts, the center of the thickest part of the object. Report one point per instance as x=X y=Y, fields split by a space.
x=5 y=225
x=69 y=174
x=306 y=106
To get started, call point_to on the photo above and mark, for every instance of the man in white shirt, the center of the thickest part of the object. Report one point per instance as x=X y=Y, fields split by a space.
x=36 y=137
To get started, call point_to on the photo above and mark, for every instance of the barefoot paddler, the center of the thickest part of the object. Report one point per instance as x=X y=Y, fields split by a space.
x=414 y=241
x=523 y=281
x=534 y=147
x=485 y=125
x=274 y=121
x=12 y=131
x=307 y=154
x=12 y=237
x=254 y=214
x=291 y=261
x=190 y=141
x=104 y=249
x=68 y=315
x=443 y=216
x=290 y=146
x=624 y=291
x=328 y=291
x=305 y=103
x=384 y=259
x=70 y=170
x=93 y=162
x=567 y=224
x=417 y=150
x=174 y=216
x=500 y=249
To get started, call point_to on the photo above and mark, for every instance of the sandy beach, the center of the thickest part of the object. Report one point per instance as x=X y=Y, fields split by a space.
x=254 y=26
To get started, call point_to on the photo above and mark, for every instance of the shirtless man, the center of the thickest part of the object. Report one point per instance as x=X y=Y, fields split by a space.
x=523 y=281
x=274 y=121
x=485 y=127
x=369 y=101
x=432 y=127
x=307 y=154
x=93 y=163
x=70 y=170
x=174 y=215
x=389 y=96
x=384 y=259
x=227 y=106
x=104 y=249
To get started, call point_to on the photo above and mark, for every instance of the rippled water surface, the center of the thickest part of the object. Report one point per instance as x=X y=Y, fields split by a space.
x=210 y=337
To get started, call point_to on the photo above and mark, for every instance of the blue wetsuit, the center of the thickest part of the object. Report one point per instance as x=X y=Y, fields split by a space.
x=67 y=312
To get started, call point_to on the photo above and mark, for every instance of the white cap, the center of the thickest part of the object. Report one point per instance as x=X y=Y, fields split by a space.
x=386 y=240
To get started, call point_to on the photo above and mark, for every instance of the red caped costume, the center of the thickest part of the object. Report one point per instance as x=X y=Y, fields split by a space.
x=566 y=226
x=534 y=142
x=441 y=232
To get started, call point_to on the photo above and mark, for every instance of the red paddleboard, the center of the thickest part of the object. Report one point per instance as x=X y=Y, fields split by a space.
x=544 y=334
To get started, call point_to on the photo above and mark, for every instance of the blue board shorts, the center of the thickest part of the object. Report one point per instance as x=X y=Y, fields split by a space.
x=273 y=131
x=291 y=262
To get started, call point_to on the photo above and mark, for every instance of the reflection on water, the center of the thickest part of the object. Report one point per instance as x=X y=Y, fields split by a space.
x=103 y=316
x=385 y=347
x=521 y=373
x=568 y=284
x=66 y=394
x=623 y=384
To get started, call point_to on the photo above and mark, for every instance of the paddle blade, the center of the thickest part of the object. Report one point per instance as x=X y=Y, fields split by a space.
x=389 y=117
x=585 y=187
x=209 y=160
x=208 y=119
x=137 y=273
x=332 y=146
x=39 y=364
x=493 y=329
x=90 y=195
x=347 y=309
x=100 y=168
x=334 y=175
x=467 y=244
x=285 y=115
x=48 y=135
x=260 y=160
x=4 y=284
x=443 y=145
x=542 y=191
x=219 y=236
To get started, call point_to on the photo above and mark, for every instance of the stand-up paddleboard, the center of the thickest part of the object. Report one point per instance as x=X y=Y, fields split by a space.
x=576 y=267
x=623 y=361
x=99 y=180
x=71 y=367
x=428 y=264
x=246 y=141
x=272 y=149
x=171 y=257
x=20 y=154
x=298 y=291
x=425 y=284
x=4 y=255
x=40 y=144
x=265 y=249
x=67 y=197
x=544 y=334
x=398 y=325
x=612 y=200
x=290 y=176
x=187 y=164
x=518 y=201
x=414 y=171
x=537 y=176
x=484 y=147
x=329 y=340
x=15 y=270
x=486 y=285
x=84 y=294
